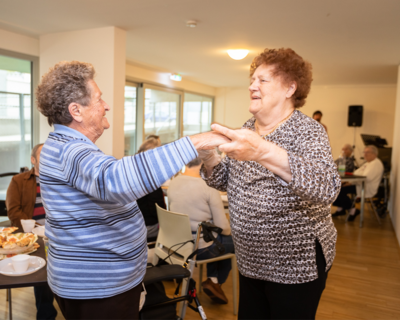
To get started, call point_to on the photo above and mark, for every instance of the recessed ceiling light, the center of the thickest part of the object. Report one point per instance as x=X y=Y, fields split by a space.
x=191 y=23
x=238 y=54
x=175 y=77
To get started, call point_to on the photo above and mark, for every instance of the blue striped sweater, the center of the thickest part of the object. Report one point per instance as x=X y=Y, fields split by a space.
x=96 y=230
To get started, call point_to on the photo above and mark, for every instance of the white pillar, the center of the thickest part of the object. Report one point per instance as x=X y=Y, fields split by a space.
x=105 y=48
x=394 y=207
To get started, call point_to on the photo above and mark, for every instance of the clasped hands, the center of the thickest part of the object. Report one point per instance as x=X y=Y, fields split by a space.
x=241 y=144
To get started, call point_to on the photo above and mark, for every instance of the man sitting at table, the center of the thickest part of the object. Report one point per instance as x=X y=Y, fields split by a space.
x=23 y=201
x=347 y=152
x=189 y=194
x=372 y=169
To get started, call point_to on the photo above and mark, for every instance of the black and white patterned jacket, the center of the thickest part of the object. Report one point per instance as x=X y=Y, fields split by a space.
x=274 y=223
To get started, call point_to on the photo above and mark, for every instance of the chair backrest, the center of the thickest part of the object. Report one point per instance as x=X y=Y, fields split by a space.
x=174 y=231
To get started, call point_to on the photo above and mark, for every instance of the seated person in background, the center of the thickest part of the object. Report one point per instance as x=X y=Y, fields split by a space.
x=373 y=170
x=154 y=137
x=347 y=152
x=189 y=194
x=23 y=201
x=317 y=116
x=147 y=204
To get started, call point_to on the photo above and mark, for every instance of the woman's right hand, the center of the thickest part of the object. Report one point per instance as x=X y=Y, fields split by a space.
x=208 y=140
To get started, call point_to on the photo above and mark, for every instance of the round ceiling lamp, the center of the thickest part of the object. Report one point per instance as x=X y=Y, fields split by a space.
x=238 y=54
x=191 y=23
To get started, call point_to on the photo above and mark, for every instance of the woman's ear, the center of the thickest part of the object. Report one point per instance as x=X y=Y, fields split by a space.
x=75 y=109
x=291 y=89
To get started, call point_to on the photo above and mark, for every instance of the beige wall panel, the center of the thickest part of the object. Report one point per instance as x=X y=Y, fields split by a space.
x=105 y=49
x=142 y=74
x=394 y=207
x=19 y=43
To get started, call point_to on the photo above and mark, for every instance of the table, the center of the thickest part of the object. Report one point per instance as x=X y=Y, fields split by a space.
x=362 y=179
x=39 y=278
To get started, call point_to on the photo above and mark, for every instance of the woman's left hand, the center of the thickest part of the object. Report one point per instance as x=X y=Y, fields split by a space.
x=246 y=145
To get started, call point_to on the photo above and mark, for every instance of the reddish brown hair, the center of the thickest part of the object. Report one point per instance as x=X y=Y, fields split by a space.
x=290 y=67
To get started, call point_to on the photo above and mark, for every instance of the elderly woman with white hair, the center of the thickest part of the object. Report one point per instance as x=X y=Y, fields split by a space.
x=373 y=170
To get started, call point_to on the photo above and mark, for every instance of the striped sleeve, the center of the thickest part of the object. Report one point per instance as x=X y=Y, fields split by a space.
x=125 y=180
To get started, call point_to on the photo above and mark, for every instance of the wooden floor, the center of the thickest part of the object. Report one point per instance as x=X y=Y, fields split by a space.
x=364 y=282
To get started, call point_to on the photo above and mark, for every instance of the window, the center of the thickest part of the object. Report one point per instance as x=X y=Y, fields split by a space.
x=167 y=113
x=130 y=118
x=161 y=114
x=197 y=114
x=15 y=116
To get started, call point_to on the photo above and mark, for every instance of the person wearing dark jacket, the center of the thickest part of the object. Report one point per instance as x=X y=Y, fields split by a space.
x=24 y=201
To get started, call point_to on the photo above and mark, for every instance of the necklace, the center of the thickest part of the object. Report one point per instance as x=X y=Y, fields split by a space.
x=273 y=129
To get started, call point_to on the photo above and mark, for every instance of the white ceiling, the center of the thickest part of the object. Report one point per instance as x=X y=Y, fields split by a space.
x=347 y=41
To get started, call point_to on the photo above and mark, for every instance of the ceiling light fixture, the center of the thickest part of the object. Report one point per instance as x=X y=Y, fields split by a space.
x=238 y=54
x=191 y=23
x=176 y=77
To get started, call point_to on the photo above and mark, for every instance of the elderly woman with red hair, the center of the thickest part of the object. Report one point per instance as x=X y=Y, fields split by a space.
x=281 y=180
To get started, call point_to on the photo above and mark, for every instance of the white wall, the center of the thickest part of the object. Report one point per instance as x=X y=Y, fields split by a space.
x=105 y=48
x=333 y=101
x=394 y=206
x=19 y=43
x=140 y=74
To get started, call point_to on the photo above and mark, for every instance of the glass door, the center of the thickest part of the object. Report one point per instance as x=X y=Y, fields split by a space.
x=197 y=114
x=161 y=113
x=15 y=116
x=130 y=118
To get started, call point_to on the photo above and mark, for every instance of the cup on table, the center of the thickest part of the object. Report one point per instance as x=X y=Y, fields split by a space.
x=20 y=262
x=28 y=224
x=46 y=244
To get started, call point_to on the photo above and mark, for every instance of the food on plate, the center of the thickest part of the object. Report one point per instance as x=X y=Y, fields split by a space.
x=17 y=243
x=9 y=230
x=3 y=238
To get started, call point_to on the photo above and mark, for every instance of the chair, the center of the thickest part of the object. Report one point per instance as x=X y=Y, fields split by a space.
x=175 y=235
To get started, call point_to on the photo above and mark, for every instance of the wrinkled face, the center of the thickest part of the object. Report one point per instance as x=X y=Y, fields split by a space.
x=346 y=152
x=36 y=161
x=266 y=91
x=369 y=155
x=94 y=115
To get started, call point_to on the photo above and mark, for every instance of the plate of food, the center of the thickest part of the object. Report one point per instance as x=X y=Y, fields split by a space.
x=17 y=243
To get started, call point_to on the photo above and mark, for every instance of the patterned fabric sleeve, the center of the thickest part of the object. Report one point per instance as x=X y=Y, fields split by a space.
x=219 y=177
x=123 y=181
x=314 y=174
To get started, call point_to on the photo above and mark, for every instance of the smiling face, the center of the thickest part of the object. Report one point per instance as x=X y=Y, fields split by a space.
x=267 y=91
x=93 y=115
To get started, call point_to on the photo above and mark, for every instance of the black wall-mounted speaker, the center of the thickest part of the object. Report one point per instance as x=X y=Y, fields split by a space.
x=355 y=116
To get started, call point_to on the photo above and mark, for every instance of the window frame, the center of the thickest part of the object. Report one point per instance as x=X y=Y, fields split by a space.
x=140 y=105
x=35 y=114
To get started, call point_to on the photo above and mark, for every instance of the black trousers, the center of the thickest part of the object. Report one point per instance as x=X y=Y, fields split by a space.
x=343 y=200
x=261 y=299
x=44 y=303
x=121 y=306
